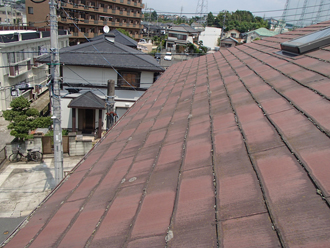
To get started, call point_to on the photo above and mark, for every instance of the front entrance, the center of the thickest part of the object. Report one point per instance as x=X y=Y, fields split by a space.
x=86 y=120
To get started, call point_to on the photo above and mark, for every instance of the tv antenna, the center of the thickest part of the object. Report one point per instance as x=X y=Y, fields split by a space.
x=106 y=29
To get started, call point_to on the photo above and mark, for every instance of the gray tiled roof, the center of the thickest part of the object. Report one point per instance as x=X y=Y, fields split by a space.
x=103 y=53
x=119 y=37
x=87 y=100
x=187 y=29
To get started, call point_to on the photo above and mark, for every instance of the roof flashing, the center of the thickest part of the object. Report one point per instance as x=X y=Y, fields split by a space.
x=307 y=42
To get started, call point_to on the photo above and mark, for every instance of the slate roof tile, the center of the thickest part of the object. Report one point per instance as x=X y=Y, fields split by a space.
x=228 y=149
x=103 y=53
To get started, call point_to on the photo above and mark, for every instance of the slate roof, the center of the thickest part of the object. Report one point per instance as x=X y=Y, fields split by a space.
x=103 y=53
x=119 y=37
x=230 y=149
x=183 y=28
x=88 y=100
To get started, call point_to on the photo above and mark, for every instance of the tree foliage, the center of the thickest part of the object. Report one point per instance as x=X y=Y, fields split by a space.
x=125 y=32
x=23 y=118
x=210 y=19
x=241 y=20
x=150 y=16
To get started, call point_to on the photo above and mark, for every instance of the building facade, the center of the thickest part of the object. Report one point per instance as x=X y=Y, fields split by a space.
x=11 y=16
x=180 y=36
x=20 y=74
x=86 y=69
x=90 y=16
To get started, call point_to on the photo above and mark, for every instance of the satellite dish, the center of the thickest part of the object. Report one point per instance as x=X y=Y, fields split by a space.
x=106 y=29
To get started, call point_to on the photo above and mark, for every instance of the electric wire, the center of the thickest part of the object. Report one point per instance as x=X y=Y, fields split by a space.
x=261 y=11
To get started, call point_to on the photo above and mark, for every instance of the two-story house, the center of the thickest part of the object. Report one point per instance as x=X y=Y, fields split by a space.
x=86 y=69
x=180 y=36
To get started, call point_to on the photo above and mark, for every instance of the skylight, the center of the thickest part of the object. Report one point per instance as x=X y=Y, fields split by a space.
x=308 y=42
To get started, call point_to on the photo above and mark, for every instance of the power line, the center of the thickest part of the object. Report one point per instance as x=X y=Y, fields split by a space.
x=259 y=11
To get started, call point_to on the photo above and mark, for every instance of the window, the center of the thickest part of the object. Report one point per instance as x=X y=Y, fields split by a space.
x=233 y=35
x=30 y=10
x=132 y=79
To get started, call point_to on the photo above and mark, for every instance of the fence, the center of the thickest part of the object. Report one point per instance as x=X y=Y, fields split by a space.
x=75 y=146
x=48 y=144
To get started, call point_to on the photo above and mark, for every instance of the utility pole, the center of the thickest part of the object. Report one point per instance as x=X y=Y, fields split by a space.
x=110 y=104
x=55 y=90
x=222 y=31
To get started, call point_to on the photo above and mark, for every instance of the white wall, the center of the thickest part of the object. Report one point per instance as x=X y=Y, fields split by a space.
x=210 y=37
x=98 y=76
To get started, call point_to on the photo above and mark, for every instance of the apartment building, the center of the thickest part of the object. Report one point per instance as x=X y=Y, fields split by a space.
x=86 y=18
x=20 y=73
x=9 y=15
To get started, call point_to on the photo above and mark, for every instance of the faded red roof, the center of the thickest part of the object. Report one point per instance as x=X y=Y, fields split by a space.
x=231 y=149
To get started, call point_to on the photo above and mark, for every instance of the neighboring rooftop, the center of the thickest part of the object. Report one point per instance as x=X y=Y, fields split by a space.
x=104 y=53
x=119 y=37
x=7 y=36
x=264 y=32
x=183 y=28
x=230 y=149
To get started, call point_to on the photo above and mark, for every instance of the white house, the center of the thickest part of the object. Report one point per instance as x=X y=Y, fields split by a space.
x=20 y=74
x=86 y=69
x=210 y=37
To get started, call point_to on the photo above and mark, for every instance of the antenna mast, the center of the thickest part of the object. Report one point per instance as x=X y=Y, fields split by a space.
x=201 y=8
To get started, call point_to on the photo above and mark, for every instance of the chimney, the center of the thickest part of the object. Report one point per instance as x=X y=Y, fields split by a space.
x=110 y=37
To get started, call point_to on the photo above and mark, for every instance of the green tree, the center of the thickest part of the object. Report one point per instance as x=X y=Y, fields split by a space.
x=23 y=118
x=210 y=19
x=241 y=20
x=154 y=16
x=123 y=31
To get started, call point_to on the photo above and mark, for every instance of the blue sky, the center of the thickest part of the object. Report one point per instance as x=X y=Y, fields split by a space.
x=216 y=6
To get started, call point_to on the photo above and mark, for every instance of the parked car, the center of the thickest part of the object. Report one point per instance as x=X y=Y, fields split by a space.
x=168 y=56
x=157 y=55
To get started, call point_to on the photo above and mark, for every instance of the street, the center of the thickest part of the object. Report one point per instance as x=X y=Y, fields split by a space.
x=23 y=186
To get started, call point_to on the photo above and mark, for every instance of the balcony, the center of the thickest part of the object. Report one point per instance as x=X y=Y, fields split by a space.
x=129 y=3
x=19 y=68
